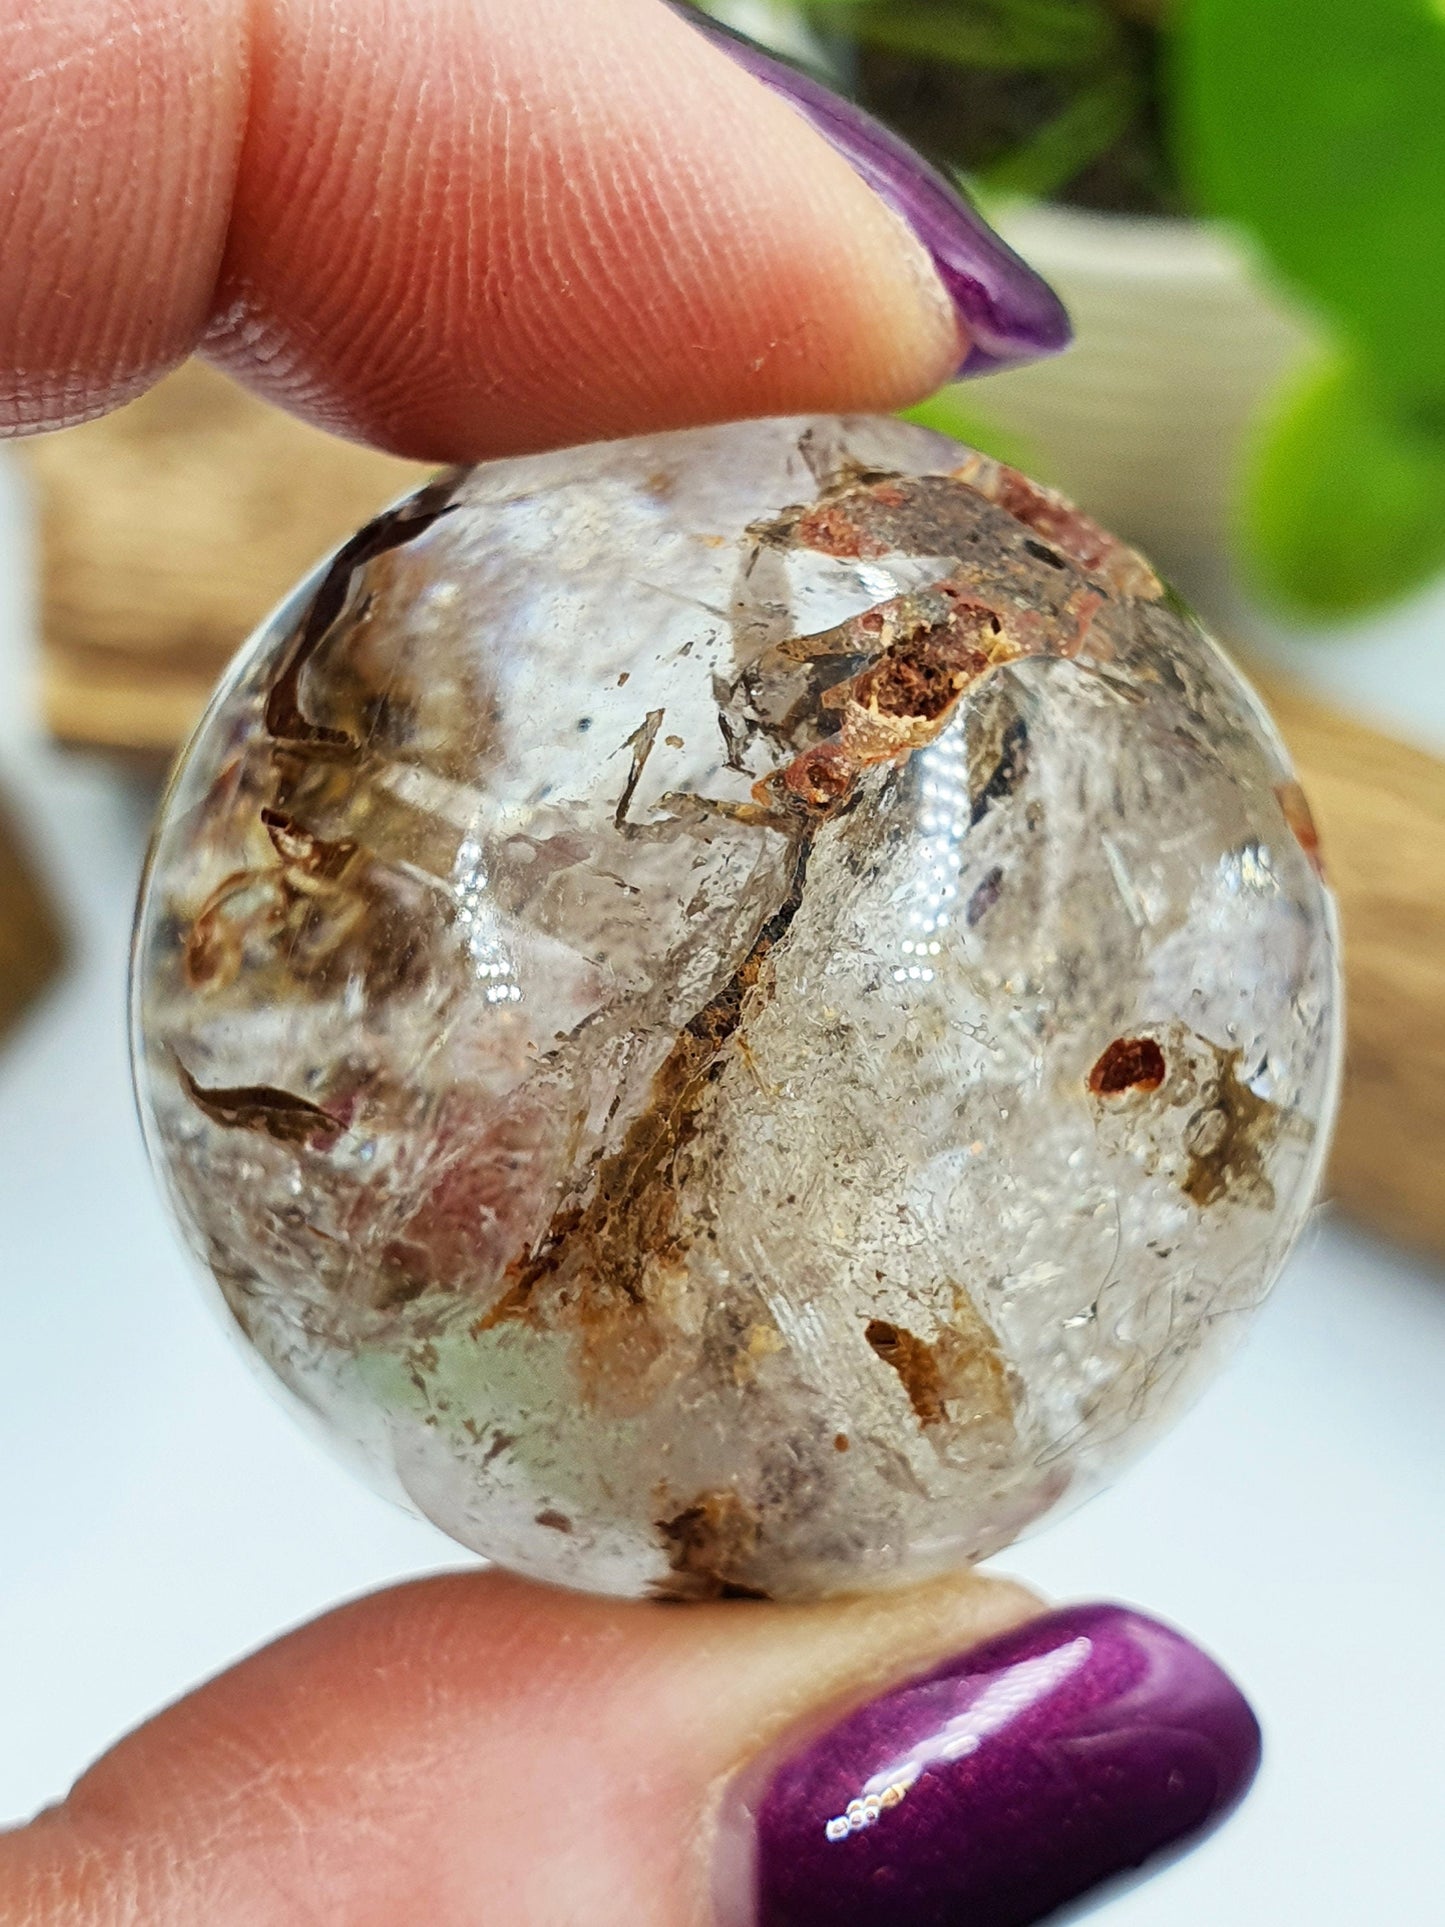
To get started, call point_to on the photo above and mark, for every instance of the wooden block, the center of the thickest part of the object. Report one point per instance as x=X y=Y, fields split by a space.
x=1380 y=808
x=168 y=530
x=31 y=945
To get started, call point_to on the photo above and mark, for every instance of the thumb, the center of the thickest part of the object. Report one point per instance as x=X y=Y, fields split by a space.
x=476 y=1748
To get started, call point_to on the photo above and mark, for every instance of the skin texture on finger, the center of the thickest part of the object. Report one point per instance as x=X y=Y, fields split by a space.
x=556 y=220
x=120 y=134
x=468 y=1748
x=457 y=228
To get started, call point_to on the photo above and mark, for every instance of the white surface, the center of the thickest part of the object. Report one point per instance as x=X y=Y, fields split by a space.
x=1387 y=668
x=159 y=1516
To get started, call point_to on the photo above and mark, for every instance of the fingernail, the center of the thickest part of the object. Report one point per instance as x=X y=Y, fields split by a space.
x=998 y=1788
x=1009 y=314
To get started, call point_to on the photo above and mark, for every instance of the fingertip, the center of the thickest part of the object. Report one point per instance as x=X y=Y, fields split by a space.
x=120 y=130
x=462 y=230
x=471 y=1740
x=553 y=224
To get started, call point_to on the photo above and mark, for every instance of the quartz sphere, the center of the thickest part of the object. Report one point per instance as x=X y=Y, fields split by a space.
x=741 y=1013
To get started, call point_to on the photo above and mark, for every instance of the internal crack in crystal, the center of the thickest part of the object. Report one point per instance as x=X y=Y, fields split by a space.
x=285 y=719
x=605 y=1253
x=640 y=742
x=605 y=1248
x=261 y=1107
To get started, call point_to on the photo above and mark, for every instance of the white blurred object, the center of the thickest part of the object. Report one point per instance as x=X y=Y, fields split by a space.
x=1179 y=342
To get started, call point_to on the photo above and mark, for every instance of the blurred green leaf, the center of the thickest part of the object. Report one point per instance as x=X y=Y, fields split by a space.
x=977 y=33
x=1094 y=119
x=950 y=413
x=1344 y=498
x=1320 y=124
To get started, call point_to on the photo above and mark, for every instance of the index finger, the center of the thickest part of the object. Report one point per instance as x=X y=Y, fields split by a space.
x=459 y=229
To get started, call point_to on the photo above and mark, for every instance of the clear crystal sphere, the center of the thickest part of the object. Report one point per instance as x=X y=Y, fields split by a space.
x=747 y=1012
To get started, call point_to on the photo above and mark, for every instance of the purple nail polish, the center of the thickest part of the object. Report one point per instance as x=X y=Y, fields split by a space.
x=1002 y=1786
x=1010 y=314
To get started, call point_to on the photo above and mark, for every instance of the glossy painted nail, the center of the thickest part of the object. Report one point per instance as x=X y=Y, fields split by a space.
x=1000 y=1787
x=1009 y=314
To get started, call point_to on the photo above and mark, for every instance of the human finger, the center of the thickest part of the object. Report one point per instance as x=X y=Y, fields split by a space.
x=477 y=1748
x=457 y=229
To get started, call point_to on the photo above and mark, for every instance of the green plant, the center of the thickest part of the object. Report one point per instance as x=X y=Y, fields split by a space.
x=949 y=413
x=1318 y=126
x=1050 y=98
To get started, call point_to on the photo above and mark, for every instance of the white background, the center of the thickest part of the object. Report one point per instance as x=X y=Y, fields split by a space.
x=159 y=1516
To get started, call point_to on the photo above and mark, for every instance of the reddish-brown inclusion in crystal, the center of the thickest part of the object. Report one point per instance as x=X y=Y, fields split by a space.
x=1129 y=1064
